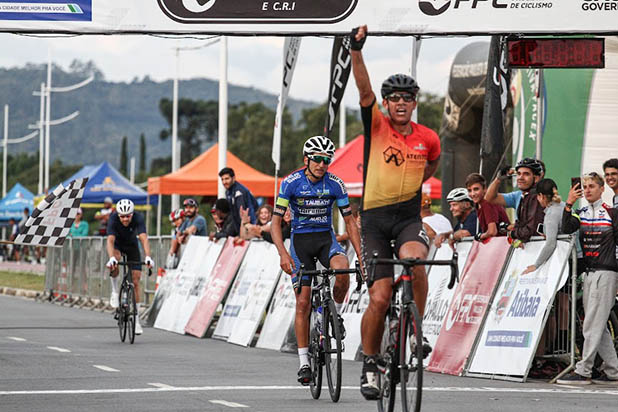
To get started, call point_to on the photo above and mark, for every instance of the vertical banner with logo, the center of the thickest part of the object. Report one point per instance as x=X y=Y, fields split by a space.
x=515 y=320
x=340 y=68
x=290 y=56
x=468 y=306
x=494 y=108
x=218 y=284
x=280 y=315
x=439 y=296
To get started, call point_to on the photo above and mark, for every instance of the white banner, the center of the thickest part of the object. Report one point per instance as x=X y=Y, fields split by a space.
x=439 y=296
x=188 y=283
x=280 y=315
x=260 y=257
x=309 y=16
x=514 y=323
x=263 y=273
x=290 y=56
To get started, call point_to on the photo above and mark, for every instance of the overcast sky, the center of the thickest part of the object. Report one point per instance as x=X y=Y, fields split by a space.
x=253 y=61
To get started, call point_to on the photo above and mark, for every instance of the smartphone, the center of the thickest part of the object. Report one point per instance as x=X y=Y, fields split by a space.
x=576 y=180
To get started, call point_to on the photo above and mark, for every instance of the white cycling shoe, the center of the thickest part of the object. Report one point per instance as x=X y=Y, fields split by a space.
x=138 y=327
x=113 y=300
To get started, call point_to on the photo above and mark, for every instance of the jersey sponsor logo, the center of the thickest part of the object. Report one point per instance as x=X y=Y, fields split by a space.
x=337 y=180
x=293 y=177
x=395 y=155
x=313 y=211
x=424 y=236
x=313 y=202
x=238 y=193
x=420 y=146
x=323 y=192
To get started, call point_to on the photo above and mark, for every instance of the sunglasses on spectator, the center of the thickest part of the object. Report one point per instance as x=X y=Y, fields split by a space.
x=319 y=159
x=395 y=97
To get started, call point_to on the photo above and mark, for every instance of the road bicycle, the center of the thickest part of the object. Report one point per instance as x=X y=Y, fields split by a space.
x=400 y=361
x=126 y=312
x=325 y=340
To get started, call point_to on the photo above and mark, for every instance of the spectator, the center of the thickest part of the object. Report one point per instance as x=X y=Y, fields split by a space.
x=462 y=208
x=194 y=224
x=434 y=223
x=286 y=227
x=530 y=214
x=79 y=228
x=491 y=216
x=176 y=217
x=598 y=234
x=103 y=215
x=227 y=226
x=21 y=225
x=264 y=216
x=511 y=199
x=610 y=168
x=14 y=231
x=238 y=196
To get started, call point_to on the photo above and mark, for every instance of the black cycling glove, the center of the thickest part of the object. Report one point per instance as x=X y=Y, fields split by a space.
x=356 y=45
x=503 y=173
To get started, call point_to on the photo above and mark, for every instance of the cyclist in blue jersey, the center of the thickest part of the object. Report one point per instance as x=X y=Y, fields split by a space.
x=310 y=193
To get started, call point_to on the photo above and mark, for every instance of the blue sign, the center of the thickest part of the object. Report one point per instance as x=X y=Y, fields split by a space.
x=509 y=338
x=46 y=10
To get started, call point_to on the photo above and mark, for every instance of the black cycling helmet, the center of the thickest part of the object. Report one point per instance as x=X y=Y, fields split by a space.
x=399 y=83
x=532 y=164
x=190 y=202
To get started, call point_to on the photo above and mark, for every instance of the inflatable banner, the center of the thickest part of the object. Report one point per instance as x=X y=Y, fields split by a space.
x=218 y=285
x=468 y=306
x=280 y=315
x=516 y=319
x=308 y=16
x=260 y=257
x=188 y=283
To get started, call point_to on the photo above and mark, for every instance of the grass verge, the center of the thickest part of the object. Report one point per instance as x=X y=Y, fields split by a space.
x=22 y=280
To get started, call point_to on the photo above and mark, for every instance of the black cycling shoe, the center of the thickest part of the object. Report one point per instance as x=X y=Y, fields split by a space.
x=341 y=327
x=369 y=379
x=304 y=375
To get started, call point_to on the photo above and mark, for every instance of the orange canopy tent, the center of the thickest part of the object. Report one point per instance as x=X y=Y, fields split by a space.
x=348 y=165
x=201 y=175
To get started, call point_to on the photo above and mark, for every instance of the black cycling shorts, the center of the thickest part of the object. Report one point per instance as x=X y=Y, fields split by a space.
x=305 y=248
x=132 y=252
x=380 y=230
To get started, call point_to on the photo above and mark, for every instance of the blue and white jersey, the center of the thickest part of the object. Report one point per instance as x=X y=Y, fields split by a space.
x=312 y=203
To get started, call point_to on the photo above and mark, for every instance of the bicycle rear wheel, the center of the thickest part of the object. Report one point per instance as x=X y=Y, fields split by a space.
x=316 y=357
x=131 y=312
x=388 y=375
x=411 y=359
x=332 y=350
x=121 y=313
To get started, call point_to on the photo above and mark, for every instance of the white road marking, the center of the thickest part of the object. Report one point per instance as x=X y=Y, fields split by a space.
x=526 y=390
x=16 y=338
x=63 y=350
x=106 y=368
x=226 y=403
x=161 y=385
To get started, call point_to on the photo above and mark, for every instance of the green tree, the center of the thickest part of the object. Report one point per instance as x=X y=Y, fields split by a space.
x=124 y=156
x=430 y=109
x=142 y=153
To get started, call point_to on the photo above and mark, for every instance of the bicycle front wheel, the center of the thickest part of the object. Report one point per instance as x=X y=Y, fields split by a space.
x=121 y=313
x=388 y=375
x=131 y=312
x=316 y=358
x=411 y=359
x=332 y=350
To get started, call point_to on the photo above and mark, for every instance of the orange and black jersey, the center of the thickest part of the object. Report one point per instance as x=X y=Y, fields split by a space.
x=394 y=164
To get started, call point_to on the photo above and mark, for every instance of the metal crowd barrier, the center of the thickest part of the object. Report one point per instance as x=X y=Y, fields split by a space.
x=75 y=274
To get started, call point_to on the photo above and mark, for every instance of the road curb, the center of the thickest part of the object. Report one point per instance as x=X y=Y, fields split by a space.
x=26 y=293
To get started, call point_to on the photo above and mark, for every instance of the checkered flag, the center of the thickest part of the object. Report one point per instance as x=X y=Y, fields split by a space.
x=51 y=220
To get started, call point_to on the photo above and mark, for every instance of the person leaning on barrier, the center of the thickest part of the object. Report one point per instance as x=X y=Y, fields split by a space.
x=264 y=217
x=103 y=215
x=176 y=217
x=530 y=213
x=598 y=232
x=79 y=228
x=462 y=208
x=286 y=228
x=227 y=226
x=492 y=217
x=610 y=170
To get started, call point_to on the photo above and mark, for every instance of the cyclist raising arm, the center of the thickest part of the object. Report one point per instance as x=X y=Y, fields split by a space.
x=123 y=229
x=311 y=193
x=399 y=155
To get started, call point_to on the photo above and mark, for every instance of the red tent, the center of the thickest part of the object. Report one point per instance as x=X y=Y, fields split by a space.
x=348 y=165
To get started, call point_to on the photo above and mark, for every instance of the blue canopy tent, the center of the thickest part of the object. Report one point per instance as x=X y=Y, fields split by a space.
x=103 y=181
x=14 y=203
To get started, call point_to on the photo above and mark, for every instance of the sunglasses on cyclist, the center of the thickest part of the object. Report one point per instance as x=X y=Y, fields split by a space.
x=395 y=97
x=319 y=159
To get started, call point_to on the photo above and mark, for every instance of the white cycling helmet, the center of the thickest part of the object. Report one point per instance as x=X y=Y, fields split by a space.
x=458 y=194
x=319 y=144
x=124 y=207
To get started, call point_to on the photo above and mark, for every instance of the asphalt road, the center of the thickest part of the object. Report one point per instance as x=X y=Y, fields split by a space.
x=55 y=358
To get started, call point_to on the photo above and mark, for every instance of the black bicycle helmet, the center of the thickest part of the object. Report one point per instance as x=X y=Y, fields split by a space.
x=532 y=164
x=399 y=83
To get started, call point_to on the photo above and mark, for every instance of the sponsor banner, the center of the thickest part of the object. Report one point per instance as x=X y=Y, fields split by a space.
x=340 y=68
x=188 y=284
x=256 y=257
x=312 y=16
x=468 y=306
x=516 y=318
x=280 y=315
x=218 y=284
x=161 y=294
x=439 y=296
x=261 y=276
x=290 y=56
